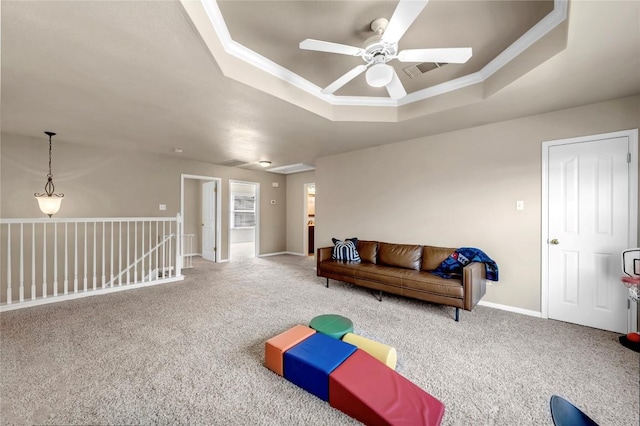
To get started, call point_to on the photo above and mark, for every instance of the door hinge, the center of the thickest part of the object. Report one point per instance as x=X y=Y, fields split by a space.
x=214 y=250
x=628 y=304
x=629 y=157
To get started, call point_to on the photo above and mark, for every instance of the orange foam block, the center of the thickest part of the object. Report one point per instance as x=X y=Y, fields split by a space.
x=275 y=347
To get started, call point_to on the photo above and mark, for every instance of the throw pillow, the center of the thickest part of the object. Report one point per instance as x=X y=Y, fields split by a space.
x=345 y=250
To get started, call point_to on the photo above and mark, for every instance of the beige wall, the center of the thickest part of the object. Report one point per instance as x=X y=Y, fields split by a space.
x=104 y=182
x=296 y=225
x=460 y=189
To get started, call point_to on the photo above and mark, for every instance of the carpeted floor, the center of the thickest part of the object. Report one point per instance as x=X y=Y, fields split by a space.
x=192 y=353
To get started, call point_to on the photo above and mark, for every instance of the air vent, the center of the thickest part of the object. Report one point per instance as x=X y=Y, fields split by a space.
x=292 y=168
x=234 y=163
x=417 y=70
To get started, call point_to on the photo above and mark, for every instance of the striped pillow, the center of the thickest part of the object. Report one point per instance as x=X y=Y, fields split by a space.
x=345 y=250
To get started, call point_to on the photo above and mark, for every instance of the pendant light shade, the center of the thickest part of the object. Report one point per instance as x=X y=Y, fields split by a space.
x=49 y=202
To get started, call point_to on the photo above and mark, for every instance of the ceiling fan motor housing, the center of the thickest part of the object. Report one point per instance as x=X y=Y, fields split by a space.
x=375 y=48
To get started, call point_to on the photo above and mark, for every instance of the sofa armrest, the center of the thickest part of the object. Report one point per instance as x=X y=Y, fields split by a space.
x=324 y=253
x=474 y=283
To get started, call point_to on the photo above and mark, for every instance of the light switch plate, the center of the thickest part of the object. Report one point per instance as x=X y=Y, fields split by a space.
x=162 y=207
x=275 y=184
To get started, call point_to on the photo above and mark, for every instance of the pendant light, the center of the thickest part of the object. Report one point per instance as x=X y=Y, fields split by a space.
x=49 y=202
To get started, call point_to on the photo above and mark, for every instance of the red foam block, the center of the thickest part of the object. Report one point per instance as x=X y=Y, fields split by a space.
x=369 y=391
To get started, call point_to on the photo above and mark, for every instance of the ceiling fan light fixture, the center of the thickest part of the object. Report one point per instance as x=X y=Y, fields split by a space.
x=379 y=75
x=264 y=163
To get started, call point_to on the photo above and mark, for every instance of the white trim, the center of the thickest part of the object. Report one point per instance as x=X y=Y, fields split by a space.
x=279 y=253
x=632 y=240
x=79 y=295
x=544 y=26
x=510 y=309
x=218 y=206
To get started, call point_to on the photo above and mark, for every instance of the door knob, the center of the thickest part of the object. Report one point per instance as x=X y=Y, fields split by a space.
x=554 y=241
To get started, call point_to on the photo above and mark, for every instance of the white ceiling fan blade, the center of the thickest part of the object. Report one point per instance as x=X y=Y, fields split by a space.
x=327 y=46
x=457 y=55
x=344 y=79
x=395 y=87
x=406 y=12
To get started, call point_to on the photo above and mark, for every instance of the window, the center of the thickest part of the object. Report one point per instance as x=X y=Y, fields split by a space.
x=244 y=211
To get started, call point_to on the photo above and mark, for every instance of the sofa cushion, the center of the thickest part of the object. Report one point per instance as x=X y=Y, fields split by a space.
x=429 y=283
x=400 y=255
x=339 y=267
x=432 y=257
x=345 y=250
x=368 y=251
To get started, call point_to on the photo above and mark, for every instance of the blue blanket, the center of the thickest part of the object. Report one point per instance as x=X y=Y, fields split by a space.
x=452 y=266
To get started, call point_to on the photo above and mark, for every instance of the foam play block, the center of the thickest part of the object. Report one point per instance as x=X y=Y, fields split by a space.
x=275 y=347
x=309 y=363
x=369 y=391
x=383 y=353
x=332 y=325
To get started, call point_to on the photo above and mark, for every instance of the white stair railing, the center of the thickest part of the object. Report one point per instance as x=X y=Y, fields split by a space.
x=49 y=260
x=187 y=250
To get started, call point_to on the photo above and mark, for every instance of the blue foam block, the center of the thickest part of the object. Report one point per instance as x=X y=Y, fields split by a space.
x=309 y=363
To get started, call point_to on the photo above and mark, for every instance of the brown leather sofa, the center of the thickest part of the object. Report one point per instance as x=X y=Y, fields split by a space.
x=403 y=269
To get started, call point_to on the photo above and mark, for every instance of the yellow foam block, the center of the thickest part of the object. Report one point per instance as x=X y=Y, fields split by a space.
x=380 y=351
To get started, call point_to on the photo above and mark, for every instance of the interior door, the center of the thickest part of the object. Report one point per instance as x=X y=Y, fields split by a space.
x=588 y=213
x=209 y=221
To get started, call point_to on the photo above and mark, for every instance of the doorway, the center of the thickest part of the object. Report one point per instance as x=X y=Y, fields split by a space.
x=201 y=213
x=309 y=219
x=243 y=219
x=589 y=211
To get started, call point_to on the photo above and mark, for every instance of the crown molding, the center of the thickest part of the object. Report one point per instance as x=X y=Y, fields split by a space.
x=241 y=52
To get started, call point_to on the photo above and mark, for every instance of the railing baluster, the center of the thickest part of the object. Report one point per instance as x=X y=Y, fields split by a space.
x=95 y=281
x=9 y=297
x=22 y=262
x=55 y=258
x=103 y=255
x=120 y=252
x=156 y=250
x=44 y=260
x=170 y=256
x=128 y=257
x=164 y=242
x=75 y=262
x=84 y=282
x=111 y=282
x=33 y=261
x=142 y=254
x=150 y=256
x=66 y=259
x=135 y=252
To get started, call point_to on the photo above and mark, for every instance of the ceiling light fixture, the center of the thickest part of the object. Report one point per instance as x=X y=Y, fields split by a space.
x=264 y=163
x=49 y=202
x=379 y=75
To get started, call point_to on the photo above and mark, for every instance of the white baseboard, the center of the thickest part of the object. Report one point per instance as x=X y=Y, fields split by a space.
x=510 y=309
x=280 y=253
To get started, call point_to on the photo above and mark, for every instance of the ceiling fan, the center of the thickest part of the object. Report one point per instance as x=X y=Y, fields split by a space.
x=383 y=47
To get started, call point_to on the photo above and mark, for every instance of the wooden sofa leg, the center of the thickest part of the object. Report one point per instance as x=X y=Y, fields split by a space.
x=457 y=314
x=327 y=282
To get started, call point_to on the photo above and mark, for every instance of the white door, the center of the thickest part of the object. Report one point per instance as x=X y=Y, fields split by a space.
x=209 y=221
x=588 y=214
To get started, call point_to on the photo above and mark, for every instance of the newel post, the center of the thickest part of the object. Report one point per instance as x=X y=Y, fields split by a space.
x=178 y=245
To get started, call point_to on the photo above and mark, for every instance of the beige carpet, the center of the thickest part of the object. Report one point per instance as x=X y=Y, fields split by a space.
x=192 y=352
